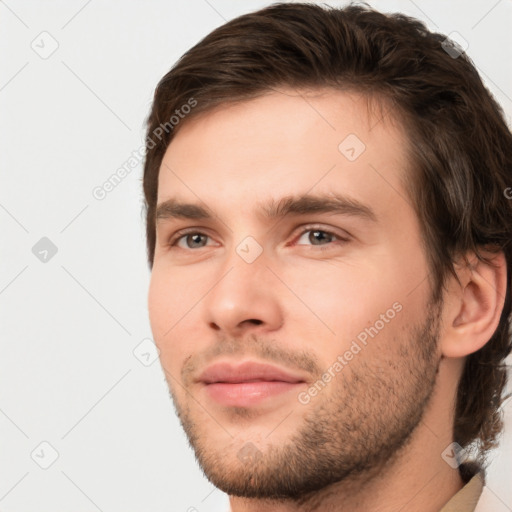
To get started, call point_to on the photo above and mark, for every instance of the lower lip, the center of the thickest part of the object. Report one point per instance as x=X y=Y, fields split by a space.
x=244 y=394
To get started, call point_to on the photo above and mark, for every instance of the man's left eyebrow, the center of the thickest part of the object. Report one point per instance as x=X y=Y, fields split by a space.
x=311 y=204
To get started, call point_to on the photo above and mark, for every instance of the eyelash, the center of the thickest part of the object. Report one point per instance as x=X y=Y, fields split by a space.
x=180 y=234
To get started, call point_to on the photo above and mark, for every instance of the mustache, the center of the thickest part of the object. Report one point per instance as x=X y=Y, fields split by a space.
x=252 y=346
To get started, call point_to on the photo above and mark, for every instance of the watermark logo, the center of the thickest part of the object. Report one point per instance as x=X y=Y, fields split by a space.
x=146 y=352
x=249 y=453
x=351 y=147
x=454 y=45
x=44 y=250
x=454 y=455
x=249 y=249
x=44 y=455
x=45 y=45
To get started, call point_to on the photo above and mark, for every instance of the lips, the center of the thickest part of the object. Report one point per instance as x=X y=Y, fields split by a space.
x=247 y=372
x=247 y=384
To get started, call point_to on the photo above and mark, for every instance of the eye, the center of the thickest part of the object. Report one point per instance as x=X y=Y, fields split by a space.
x=312 y=235
x=191 y=240
x=319 y=237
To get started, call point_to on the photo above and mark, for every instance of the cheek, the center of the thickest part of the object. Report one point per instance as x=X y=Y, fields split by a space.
x=165 y=308
x=335 y=302
x=174 y=306
x=171 y=294
x=336 y=296
x=157 y=304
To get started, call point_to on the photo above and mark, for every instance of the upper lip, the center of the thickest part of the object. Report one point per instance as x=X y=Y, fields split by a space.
x=248 y=371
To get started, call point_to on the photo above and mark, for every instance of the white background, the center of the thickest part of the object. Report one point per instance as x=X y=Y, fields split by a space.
x=68 y=374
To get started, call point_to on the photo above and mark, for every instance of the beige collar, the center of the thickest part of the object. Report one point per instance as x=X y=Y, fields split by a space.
x=467 y=498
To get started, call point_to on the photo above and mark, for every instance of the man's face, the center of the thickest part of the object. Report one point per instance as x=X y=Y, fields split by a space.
x=337 y=300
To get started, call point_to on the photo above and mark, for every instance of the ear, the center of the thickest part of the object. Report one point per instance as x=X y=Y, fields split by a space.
x=472 y=309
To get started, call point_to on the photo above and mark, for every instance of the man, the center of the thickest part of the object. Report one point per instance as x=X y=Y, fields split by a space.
x=328 y=230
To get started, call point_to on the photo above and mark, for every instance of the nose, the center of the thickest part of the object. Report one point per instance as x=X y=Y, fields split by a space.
x=244 y=298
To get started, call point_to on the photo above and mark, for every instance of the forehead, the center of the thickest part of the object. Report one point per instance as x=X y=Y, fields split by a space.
x=288 y=142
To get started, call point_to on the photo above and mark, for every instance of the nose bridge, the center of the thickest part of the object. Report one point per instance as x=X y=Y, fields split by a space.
x=245 y=264
x=243 y=291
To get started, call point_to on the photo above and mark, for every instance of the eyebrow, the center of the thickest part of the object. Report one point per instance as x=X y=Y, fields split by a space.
x=273 y=209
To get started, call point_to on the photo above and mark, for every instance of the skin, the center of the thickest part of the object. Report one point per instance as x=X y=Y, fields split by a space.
x=372 y=438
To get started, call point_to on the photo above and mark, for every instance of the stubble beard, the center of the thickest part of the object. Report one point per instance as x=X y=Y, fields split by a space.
x=348 y=437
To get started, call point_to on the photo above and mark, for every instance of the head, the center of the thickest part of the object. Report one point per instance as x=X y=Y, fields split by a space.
x=286 y=109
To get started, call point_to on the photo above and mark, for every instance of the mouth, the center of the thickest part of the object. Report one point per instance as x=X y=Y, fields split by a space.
x=247 y=384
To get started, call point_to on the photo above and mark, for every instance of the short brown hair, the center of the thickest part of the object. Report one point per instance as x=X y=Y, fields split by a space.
x=460 y=145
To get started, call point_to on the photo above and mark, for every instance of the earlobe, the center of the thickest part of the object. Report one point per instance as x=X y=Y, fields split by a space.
x=475 y=306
